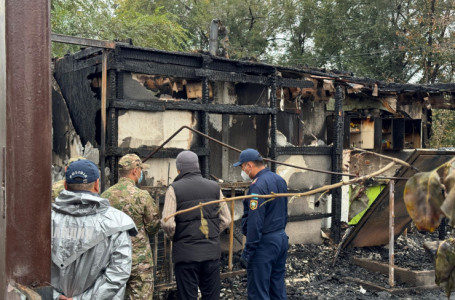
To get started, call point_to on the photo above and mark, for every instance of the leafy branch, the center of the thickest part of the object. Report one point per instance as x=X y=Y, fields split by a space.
x=429 y=197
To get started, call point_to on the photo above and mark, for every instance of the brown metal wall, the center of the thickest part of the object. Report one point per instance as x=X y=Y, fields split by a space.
x=28 y=143
x=2 y=144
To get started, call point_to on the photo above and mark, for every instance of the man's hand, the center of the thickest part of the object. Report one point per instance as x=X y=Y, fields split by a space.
x=64 y=298
x=243 y=263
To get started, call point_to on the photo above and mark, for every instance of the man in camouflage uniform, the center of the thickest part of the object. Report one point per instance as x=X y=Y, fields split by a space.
x=139 y=205
x=58 y=186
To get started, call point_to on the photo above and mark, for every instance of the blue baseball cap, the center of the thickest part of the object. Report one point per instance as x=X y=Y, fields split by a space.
x=248 y=155
x=81 y=171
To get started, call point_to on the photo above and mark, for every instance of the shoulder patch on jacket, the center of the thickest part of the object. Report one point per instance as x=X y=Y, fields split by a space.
x=253 y=204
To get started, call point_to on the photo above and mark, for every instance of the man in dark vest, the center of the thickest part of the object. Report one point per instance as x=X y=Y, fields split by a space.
x=196 y=251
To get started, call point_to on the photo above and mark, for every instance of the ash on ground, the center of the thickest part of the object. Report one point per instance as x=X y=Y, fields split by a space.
x=312 y=274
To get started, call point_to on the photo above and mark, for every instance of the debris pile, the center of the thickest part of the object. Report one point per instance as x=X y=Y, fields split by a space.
x=311 y=274
x=409 y=252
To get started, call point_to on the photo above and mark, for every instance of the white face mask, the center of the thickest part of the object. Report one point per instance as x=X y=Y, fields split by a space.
x=245 y=176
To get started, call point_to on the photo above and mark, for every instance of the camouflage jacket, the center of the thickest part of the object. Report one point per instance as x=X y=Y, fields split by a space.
x=141 y=207
x=57 y=188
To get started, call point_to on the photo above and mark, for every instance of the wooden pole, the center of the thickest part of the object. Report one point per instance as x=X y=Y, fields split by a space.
x=231 y=232
x=171 y=263
x=103 y=118
x=155 y=248
x=273 y=195
x=391 y=232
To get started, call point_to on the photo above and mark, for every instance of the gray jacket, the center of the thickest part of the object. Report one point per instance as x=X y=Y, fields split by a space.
x=91 y=247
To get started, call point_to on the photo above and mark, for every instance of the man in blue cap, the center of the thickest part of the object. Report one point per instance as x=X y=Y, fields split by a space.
x=91 y=245
x=263 y=224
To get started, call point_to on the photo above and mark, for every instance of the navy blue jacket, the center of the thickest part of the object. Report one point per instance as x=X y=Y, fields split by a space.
x=260 y=219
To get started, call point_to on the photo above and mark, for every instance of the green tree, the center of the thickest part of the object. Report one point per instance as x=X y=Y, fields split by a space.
x=442 y=128
x=430 y=38
x=253 y=25
x=117 y=20
x=78 y=18
x=390 y=39
x=358 y=36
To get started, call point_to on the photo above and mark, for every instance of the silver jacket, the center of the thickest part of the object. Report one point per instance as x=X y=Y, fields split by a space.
x=91 y=247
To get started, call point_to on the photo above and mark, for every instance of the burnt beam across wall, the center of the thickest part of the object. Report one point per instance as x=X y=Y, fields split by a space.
x=94 y=63
x=145 y=151
x=192 y=60
x=231 y=76
x=415 y=88
x=227 y=65
x=257 y=79
x=322 y=150
x=162 y=105
x=133 y=53
x=156 y=69
x=289 y=82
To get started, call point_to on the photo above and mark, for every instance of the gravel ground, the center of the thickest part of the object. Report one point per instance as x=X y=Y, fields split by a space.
x=311 y=274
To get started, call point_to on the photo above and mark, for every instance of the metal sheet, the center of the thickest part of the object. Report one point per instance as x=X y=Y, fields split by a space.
x=28 y=143
x=373 y=228
x=2 y=146
x=67 y=39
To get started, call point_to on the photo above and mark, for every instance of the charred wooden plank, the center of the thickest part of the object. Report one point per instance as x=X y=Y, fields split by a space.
x=138 y=105
x=231 y=76
x=412 y=277
x=145 y=151
x=129 y=52
x=289 y=82
x=321 y=150
x=154 y=68
x=67 y=39
x=87 y=52
x=160 y=105
x=229 y=65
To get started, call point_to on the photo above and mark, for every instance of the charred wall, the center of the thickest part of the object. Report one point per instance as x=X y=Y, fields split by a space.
x=73 y=74
x=285 y=113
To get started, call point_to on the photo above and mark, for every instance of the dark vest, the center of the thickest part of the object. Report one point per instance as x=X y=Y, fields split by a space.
x=190 y=244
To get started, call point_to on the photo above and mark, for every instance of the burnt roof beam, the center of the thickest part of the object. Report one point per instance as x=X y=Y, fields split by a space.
x=289 y=82
x=246 y=78
x=231 y=76
x=161 y=106
x=145 y=151
x=309 y=150
x=153 y=68
x=67 y=39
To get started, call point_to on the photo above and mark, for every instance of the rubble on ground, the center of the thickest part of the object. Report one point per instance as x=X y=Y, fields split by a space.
x=311 y=274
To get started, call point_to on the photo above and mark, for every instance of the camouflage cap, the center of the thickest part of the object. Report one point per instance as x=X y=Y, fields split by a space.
x=75 y=158
x=131 y=161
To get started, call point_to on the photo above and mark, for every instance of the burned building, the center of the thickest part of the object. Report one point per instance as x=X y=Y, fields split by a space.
x=298 y=116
